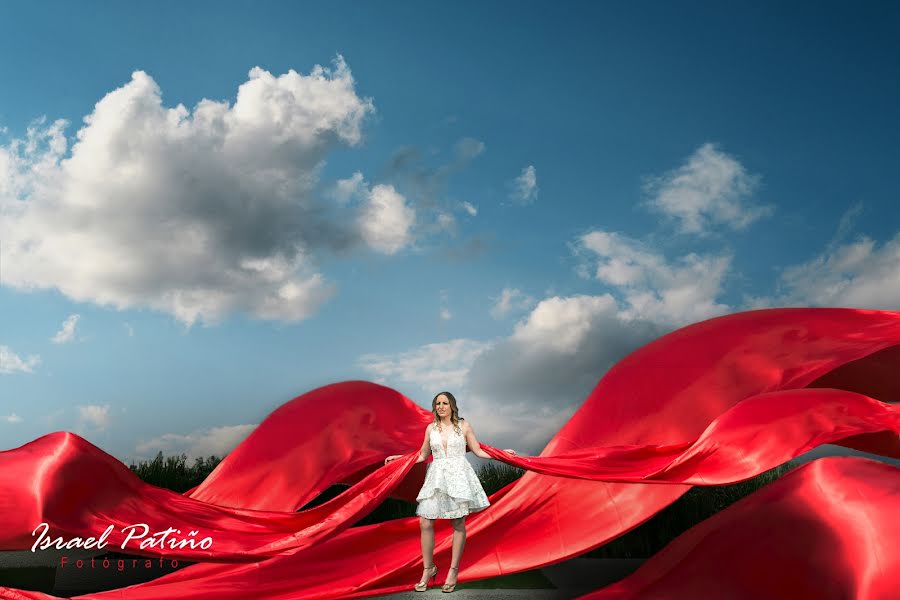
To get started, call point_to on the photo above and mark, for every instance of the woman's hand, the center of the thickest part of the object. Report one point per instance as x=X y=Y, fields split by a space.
x=392 y=457
x=510 y=451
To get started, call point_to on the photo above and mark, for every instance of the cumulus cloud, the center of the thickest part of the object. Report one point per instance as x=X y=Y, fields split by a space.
x=470 y=208
x=710 y=189
x=94 y=415
x=672 y=293
x=67 y=331
x=525 y=187
x=13 y=418
x=548 y=366
x=385 y=218
x=437 y=366
x=858 y=274
x=10 y=362
x=519 y=389
x=510 y=299
x=345 y=190
x=213 y=441
x=386 y=221
x=196 y=213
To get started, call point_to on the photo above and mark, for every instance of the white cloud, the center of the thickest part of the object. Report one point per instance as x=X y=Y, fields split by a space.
x=470 y=208
x=673 y=294
x=446 y=315
x=10 y=362
x=217 y=441
x=386 y=221
x=561 y=324
x=13 y=418
x=129 y=329
x=858 y=274
x=510 y=299
x=347 y=189
x=196 y=213
x=469 y=148
x=519 y=390
x=710 y=189
x=525 y=188
x=446 y=221
x=67 y=331
x=435 y=366
x=94 y=415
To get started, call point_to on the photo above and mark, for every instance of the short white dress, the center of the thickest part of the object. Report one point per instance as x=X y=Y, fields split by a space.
x=451 y=489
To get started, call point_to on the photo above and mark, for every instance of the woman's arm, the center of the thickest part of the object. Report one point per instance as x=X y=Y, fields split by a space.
x=423 y=452
x=426 y=446
x=474 y=446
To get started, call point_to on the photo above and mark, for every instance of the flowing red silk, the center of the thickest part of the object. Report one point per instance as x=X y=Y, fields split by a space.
x=715 y=402
x=827 y=530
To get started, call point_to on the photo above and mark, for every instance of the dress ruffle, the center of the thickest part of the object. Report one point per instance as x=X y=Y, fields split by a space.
x=451 y=489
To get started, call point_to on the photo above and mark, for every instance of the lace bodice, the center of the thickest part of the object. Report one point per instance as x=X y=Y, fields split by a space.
x=456 y=443
x=451 y=489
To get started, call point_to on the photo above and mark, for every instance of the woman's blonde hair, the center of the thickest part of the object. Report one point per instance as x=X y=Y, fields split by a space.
x=454 y=411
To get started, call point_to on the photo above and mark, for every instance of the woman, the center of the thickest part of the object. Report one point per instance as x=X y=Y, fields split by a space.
x=451 y=489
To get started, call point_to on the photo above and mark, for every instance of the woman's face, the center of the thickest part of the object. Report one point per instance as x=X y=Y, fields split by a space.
x=442 y=406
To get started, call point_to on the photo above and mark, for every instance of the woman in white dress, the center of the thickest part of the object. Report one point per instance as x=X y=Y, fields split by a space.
x=451 y=489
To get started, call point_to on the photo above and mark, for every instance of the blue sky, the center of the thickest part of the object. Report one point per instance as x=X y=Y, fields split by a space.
x=501 y=199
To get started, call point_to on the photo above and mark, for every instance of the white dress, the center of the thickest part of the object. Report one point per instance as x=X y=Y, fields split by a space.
x=451 y=489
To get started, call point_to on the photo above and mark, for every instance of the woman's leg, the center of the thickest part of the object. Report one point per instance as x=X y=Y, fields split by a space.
x=427 y=528
x=459 y=542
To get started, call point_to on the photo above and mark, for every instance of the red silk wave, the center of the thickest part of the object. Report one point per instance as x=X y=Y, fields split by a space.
x=826 y=530
x=714 y=402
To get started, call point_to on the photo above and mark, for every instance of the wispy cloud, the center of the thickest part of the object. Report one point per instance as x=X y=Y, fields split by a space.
x=510 y=299
x=446 y=315
x=442 y=365
x=211 y=441
x=13 y=418
x=67 y=331
x=858 y=274
x=94 y=415
x=469 y=148
x=525 y=186
x=10 y=362
x=711 y=189
x=426 y=184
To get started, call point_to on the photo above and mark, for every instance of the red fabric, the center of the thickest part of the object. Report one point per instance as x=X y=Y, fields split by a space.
x=827 y=530
x=714 y=402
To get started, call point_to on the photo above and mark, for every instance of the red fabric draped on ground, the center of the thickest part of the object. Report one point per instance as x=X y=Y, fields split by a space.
x=715 y=402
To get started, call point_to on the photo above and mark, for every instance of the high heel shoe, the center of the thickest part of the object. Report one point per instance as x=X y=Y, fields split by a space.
x=423 y=585
x=449 y=587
